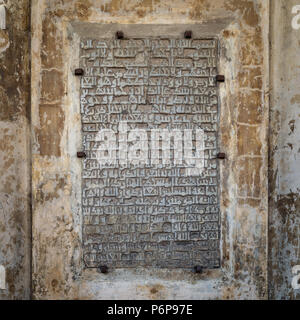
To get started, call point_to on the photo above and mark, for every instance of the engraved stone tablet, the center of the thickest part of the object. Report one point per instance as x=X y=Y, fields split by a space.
x=149 y=214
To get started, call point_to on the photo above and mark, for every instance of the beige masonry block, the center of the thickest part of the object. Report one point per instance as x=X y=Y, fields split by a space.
x=250 y=108
x=52 y=86
x=249 y=142
x=249 y=177
x=250 y=78
x=52 y=122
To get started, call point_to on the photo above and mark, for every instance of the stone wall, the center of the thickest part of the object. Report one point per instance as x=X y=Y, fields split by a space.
x=284 y=209
x=259 y=179
x=58 y=271
x=15 y=154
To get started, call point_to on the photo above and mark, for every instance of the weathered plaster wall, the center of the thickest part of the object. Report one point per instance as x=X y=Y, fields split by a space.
x=15 y=151
x=284 y=222
x=242 y=26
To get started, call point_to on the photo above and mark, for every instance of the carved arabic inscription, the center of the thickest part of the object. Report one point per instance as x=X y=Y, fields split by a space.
x=146 y=215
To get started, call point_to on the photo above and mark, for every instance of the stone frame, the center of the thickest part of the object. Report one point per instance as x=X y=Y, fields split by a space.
x=57 y=267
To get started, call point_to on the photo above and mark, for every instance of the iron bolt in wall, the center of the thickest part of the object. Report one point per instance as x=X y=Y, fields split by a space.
x=103 y=269
x=119 y=35
x=79 y=72
x=81 y=154
x=221 y=156
x=188 y=34
x=220 y=78
x=198 y=269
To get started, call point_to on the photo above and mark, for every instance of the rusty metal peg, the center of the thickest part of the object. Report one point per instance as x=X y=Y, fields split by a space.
x=79 y=72
x=220 y=78
x=188 y=34
x=81 y=154
x=103 y=269
x=120 y=35
x=221 y=156
x=198 y=269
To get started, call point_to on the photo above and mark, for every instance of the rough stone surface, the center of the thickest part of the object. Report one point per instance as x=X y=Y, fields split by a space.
x=15 y=150
x=284 y=206
x=259 y=206
x=242 y=29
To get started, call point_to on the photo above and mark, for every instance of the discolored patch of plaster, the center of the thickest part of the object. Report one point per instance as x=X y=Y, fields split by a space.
x=116 y=6
x=249 y=142
x=83 y=8
x=227 y=34
x=251 y=78
x=153 y=291
x=51 y=45
x=52 y=121
x=52 y=89
x=199 y=9
x=249 y=180
x=51 y=189
x=248 y=10
x=295 y=99
x=4 y=41
x=287 y=205
x=4 y=110
x=251 y=47
x=250 y=107
x=292 y=125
